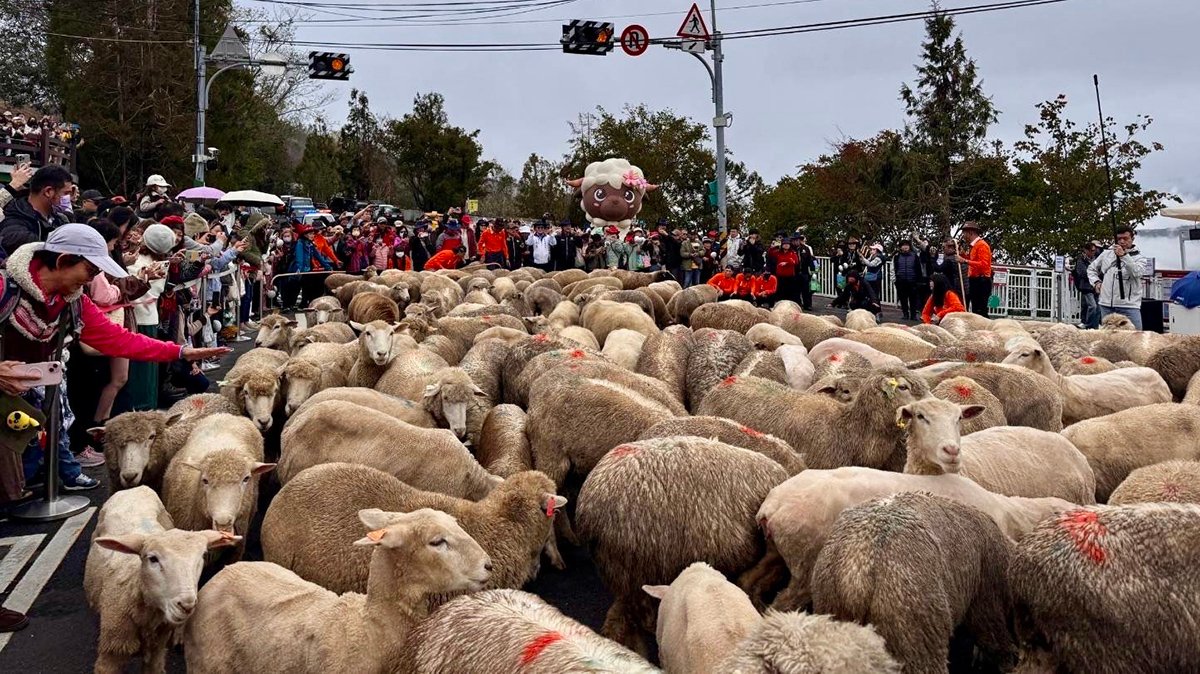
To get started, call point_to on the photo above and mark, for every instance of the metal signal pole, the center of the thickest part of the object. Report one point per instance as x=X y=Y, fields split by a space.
x=201 y=74
x=720 y=121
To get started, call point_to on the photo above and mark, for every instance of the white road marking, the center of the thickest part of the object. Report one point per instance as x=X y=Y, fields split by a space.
x=21 y=550
x=39 y=573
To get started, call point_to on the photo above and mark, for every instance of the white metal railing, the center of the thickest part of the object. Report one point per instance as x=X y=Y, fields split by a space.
x=1036 y=293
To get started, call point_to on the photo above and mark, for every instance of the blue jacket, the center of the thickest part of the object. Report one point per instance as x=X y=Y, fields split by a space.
x=908 y=267
x=302 y=259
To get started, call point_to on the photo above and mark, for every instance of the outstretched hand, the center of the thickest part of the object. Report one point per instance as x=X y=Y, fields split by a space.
x=191 y=353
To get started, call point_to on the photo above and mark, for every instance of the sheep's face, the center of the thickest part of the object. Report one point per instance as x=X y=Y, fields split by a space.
x=275 y=332
x=258 y=400
x=375 y=342
x=1029 y=357
x=302 y=380
x=429 y=544
x=399 y=294
x=225 y=476
x=449 y=399
x=933 y=428
x=128 y=440
x=171 y=563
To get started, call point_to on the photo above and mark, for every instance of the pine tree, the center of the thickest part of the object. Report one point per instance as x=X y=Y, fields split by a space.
x=948 y=110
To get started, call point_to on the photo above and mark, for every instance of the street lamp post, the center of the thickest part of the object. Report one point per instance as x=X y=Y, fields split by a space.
x=271 y=64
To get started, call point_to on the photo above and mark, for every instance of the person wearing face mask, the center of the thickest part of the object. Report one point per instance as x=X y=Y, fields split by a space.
x=420 y=246
x=731 y=249
x=154 y=195
x=30 y=218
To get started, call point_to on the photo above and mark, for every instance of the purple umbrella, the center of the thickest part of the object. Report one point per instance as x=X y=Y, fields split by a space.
x=201 y=194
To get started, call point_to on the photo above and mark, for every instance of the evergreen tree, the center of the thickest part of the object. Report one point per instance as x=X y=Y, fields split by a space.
x=948 y=110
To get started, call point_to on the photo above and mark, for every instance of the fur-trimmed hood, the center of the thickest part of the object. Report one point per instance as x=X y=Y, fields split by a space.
x=18 y=268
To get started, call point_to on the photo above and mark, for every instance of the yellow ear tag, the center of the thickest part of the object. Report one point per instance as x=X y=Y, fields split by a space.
x=902 y=424
x=376 y=535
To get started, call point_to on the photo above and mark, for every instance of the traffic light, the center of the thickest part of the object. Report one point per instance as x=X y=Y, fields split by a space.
x=713 y=200
x=328 y=66
x=588 y=37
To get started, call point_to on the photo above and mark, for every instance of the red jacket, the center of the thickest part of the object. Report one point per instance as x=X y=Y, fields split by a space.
x=764 y=287
x=492 y=241
x=443 y=259
x=745 y=284
x=786 y=262
x=728 y=285
x=950 y=305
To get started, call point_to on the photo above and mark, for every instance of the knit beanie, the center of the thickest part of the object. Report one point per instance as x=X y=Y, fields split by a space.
x=194 y=224
x=159 y=239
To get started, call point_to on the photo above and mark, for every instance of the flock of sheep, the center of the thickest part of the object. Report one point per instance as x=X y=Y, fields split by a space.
x=760 y=490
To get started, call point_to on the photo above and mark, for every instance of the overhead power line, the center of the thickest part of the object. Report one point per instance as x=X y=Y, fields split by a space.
x=551 y=46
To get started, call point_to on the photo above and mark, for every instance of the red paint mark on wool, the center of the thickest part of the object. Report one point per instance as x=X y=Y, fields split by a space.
x=1087 y=360
x=1086 y=531
x=729 y=381
x=750 y=431
x=1170 y=490
x=534 y=648
x=963 y=390
x=197 y=403
x=623 y=450
x=578 y=353
x=833 y=358
x=972 y=357
x=540 y=338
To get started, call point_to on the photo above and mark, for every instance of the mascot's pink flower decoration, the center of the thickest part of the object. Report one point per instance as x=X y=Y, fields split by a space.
x=632 y=179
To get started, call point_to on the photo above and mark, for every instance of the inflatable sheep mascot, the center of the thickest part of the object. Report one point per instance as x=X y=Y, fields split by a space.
x=612 y=191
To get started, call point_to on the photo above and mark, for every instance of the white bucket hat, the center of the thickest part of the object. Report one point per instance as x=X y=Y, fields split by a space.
x=157 y=181
x=86 y=242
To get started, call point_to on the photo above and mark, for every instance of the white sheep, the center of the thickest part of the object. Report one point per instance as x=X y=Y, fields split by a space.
x=799 y=514
x=314 y=368
x=141 y=577
x=1009 y=460
x=253 y=385
x=431 y=459
x=834 y=345
x=379 y=343
x=860 y=319
x=799 y=643
x=259 y=617
x=701 y=619
x=770 y=337
x=513 y=632
x=605 y=316
x=326 y=309
x=624 y=347
x=213 y=481
x=799 y=368
x=1086 y=396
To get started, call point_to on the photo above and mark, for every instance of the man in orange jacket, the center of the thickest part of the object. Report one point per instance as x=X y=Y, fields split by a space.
x=447 y=259
x=726 y=282
x=322 y=244
x=979 y=270
x=763 y=288
x=493 y=244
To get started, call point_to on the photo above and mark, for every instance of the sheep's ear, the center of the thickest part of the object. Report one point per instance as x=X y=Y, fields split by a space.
x=291 y=323
x=357 y=326
x=396 y=326
x=130 y=544
x=96 y=433
x=374 y=518
x=220 y=539
x=972 y=411
x=656 y=591
x=905 y=414
x=262 y=468
x=279 y=371
x=193 y=466
x=551 y=503
x=432 y=390
x=478 y=391
x=173 y=419
x=828 y=389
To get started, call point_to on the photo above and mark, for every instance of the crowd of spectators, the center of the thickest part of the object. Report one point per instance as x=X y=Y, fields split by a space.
x=18 y=128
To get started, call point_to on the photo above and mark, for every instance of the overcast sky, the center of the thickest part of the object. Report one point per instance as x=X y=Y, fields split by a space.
x=791 y=95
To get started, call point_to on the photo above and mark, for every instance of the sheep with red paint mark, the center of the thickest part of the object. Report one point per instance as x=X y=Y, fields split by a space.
x=713 y=357
x=651 y=508
x=1029 y=399
x=1112 y=589
x=513 y=632
x=967 y=391
x=1169 y=481
x=664 y=357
